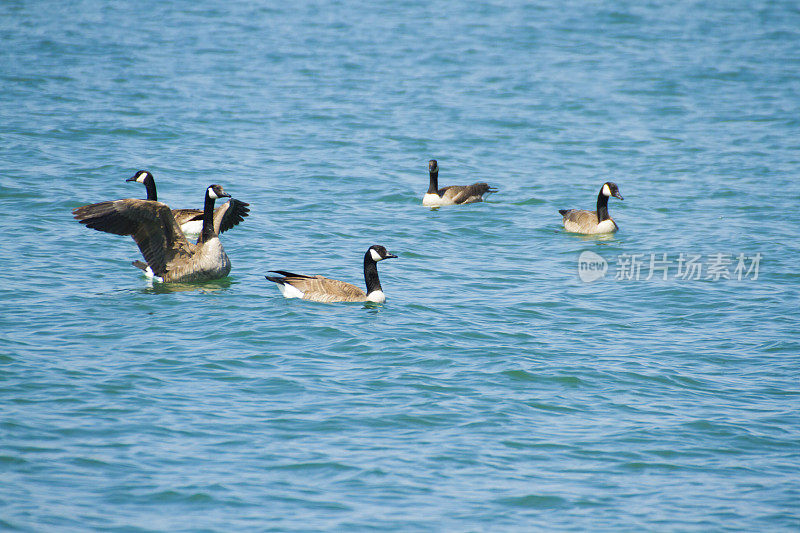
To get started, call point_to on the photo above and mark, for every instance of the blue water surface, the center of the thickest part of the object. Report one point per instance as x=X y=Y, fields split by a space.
x=495 y=390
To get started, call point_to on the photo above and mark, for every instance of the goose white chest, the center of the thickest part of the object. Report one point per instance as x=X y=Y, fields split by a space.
x=433 y=200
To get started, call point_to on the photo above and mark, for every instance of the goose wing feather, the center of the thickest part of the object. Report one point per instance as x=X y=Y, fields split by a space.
x=151 y=224
x=290 y=274
x=229 y=214
x=226 y=215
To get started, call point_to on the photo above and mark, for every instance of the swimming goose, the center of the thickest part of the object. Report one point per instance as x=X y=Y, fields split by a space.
x=191 y=220
x=588 y=222
x=454 y=194
x=164 y=247
x=320 y=289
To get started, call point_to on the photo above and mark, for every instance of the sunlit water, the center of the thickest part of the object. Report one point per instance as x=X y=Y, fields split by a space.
x=494 y=390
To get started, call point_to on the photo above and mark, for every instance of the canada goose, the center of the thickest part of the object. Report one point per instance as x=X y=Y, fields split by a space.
x=191 y=220
x=582 y=221
x=454 y=194
x=164 y=247
x=321 y=289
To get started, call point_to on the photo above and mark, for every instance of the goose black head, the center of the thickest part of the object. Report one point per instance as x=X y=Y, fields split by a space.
x=215 y=191
x=433 y=166
x=610 y=189
x=379 y=253
x=141 y=176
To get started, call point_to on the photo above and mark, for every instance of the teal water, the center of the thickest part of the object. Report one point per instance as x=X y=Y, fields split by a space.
x=494 y=390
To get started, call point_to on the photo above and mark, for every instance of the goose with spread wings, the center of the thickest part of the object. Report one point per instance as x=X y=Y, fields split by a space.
x=168 y=255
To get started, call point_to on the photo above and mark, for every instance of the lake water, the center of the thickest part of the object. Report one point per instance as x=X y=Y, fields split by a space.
x=495 y=390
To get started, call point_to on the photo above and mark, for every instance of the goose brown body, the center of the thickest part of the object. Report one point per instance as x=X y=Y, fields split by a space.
x=321 y=289
x=582 y=221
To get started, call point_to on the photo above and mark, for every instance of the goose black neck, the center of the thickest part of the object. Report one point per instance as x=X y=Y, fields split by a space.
x=371 y=273
x=433 y=188
x=150 y=187
x=208 y=220
x=602 y=207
